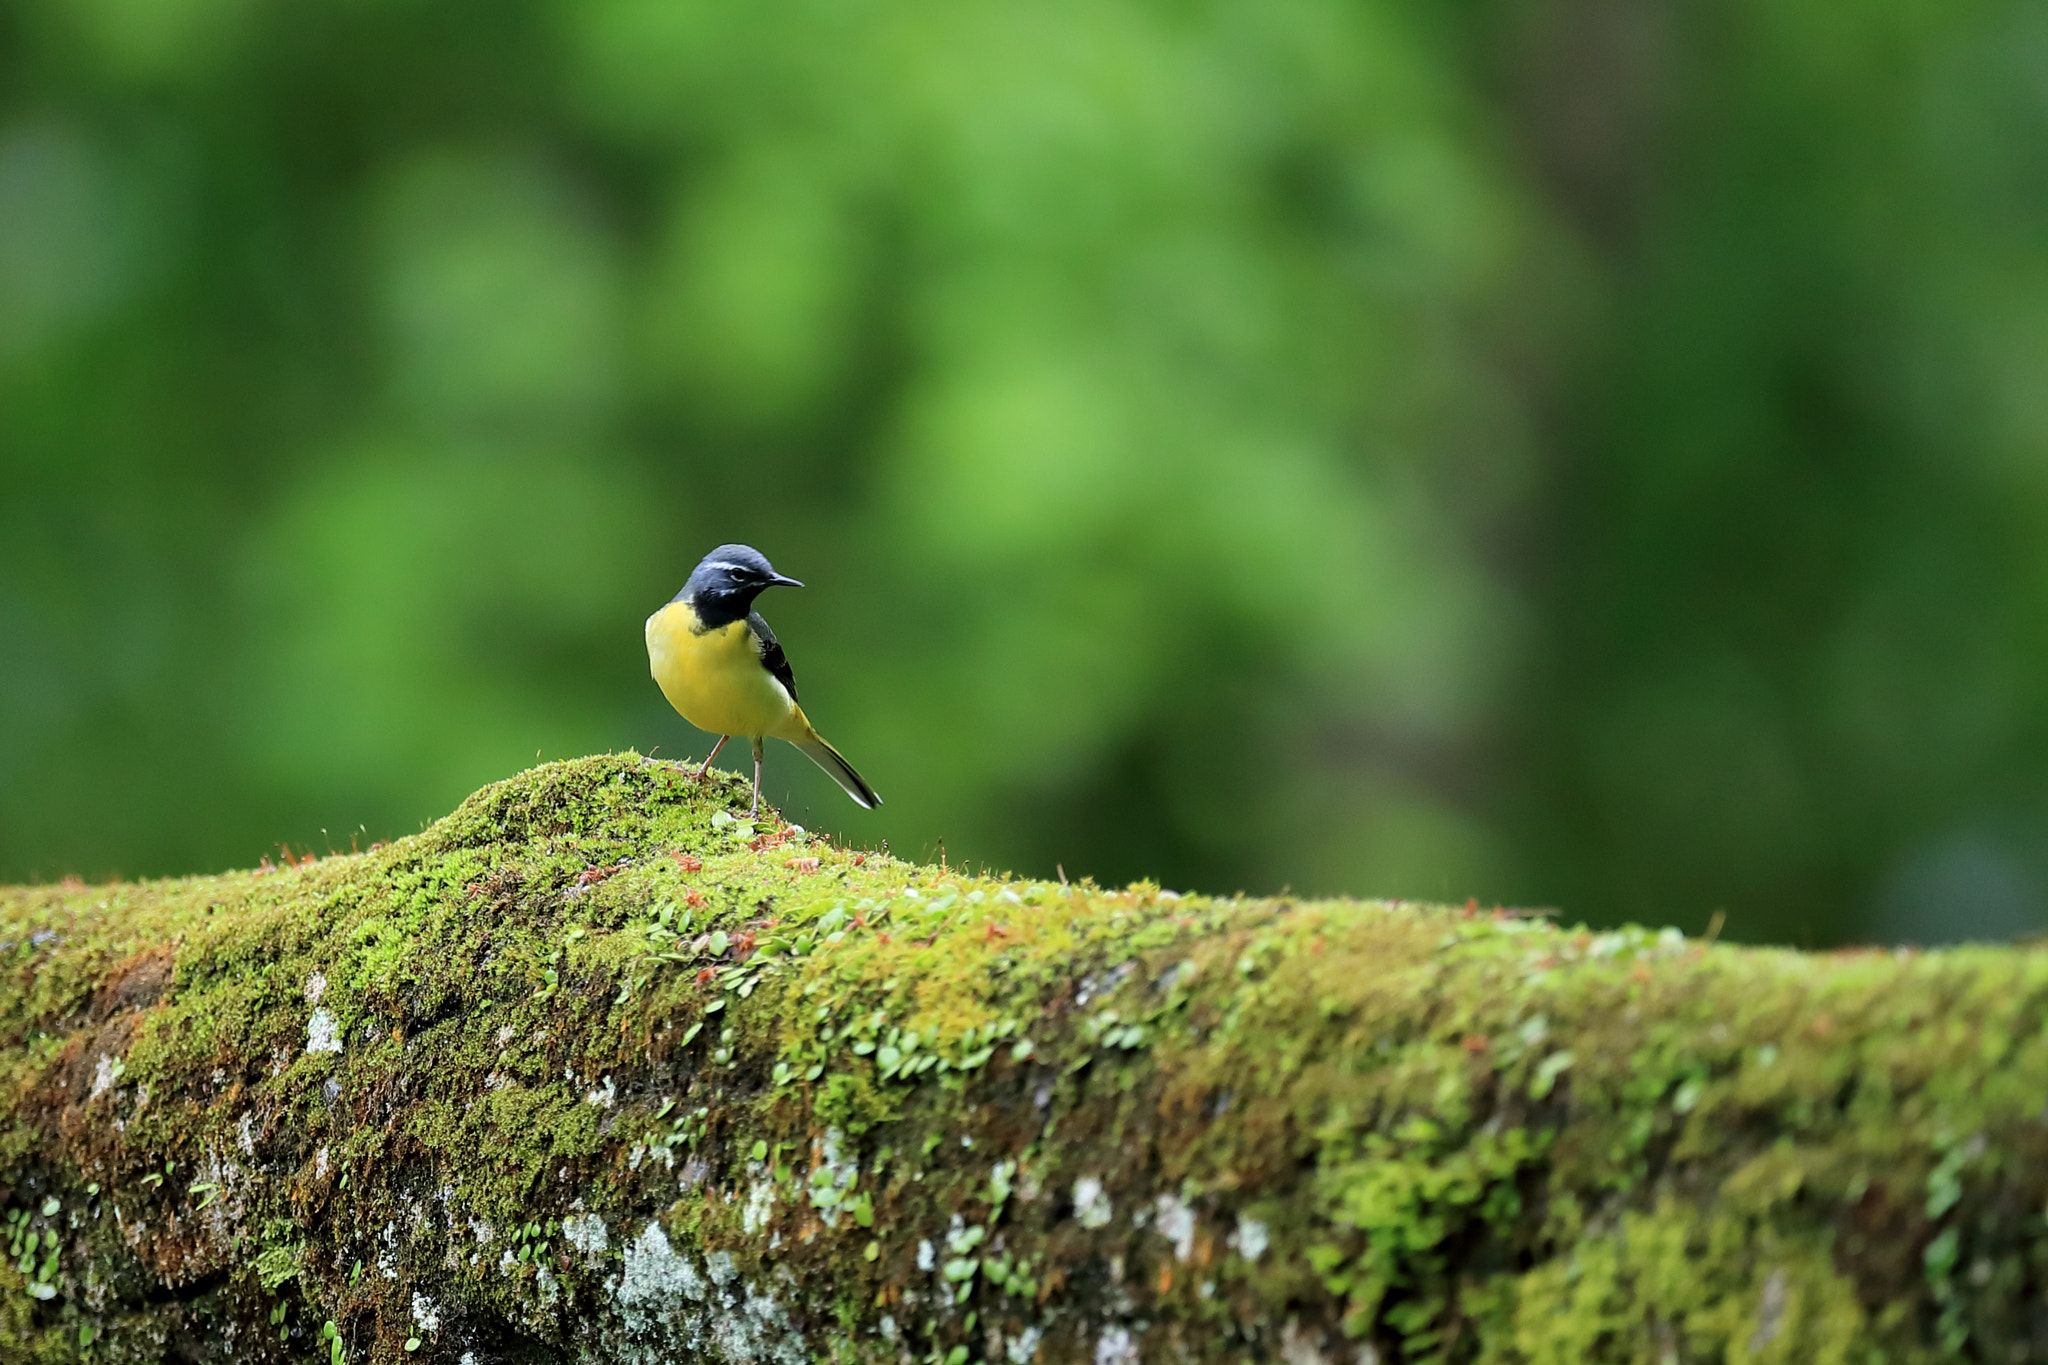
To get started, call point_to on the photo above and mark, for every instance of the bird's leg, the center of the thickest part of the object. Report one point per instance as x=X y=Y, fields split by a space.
x=757 y=779
x=713 y=754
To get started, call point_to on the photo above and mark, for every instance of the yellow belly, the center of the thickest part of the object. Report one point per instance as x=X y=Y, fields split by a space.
x=715 y=679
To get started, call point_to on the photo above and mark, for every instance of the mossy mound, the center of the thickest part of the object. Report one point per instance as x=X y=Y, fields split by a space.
x=594 y=1070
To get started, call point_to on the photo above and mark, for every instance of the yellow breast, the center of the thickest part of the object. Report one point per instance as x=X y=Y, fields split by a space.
x=714 y=678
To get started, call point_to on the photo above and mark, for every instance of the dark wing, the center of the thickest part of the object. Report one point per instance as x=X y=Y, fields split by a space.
x=772 y=657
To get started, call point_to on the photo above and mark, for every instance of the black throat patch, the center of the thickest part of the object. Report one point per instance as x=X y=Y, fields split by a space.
x=714 y=609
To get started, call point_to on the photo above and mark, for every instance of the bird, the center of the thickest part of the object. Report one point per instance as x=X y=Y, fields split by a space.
x=723 y=670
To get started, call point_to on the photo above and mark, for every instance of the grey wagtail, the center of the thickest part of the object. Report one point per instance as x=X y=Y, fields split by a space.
x=720 y=666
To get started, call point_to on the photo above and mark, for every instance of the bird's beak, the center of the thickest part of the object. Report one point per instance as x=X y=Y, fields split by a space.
x=783 y=581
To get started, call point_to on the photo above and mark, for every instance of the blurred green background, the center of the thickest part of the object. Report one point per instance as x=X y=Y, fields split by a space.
x=1574 y=453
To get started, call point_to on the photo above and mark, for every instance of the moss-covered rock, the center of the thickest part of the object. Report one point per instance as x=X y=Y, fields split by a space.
x=595 y=1070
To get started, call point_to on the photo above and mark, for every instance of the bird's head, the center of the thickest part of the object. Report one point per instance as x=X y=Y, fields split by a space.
x=726 y=582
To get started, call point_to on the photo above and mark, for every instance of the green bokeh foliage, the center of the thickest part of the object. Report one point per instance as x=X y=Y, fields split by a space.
x=1571 y=455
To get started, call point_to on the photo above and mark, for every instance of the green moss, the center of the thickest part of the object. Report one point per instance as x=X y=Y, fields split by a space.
x=1670 y=1283
x=596 y=1069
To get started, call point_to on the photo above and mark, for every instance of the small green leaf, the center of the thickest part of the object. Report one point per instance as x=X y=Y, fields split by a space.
x=50 y=1206
x=873 y=1252
x=1553 y=1066
x=759 y=1151
x=1940 y=1256
x=412 y=1343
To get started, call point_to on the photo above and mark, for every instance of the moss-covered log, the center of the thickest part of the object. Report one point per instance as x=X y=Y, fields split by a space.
x=593 y=1070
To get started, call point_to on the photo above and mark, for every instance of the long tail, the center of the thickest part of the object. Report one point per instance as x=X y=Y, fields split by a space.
x=840 y=771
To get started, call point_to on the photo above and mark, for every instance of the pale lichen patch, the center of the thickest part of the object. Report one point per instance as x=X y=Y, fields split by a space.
x=104 y=1075
x=760 y=1205
x=322 y=1033
x=1299 y=1347
x=668 y=1309
x=587 y=1233
x=1251 y=1237
x=1091 y=1205
x=1116 y=1346
x=1176 y=1223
